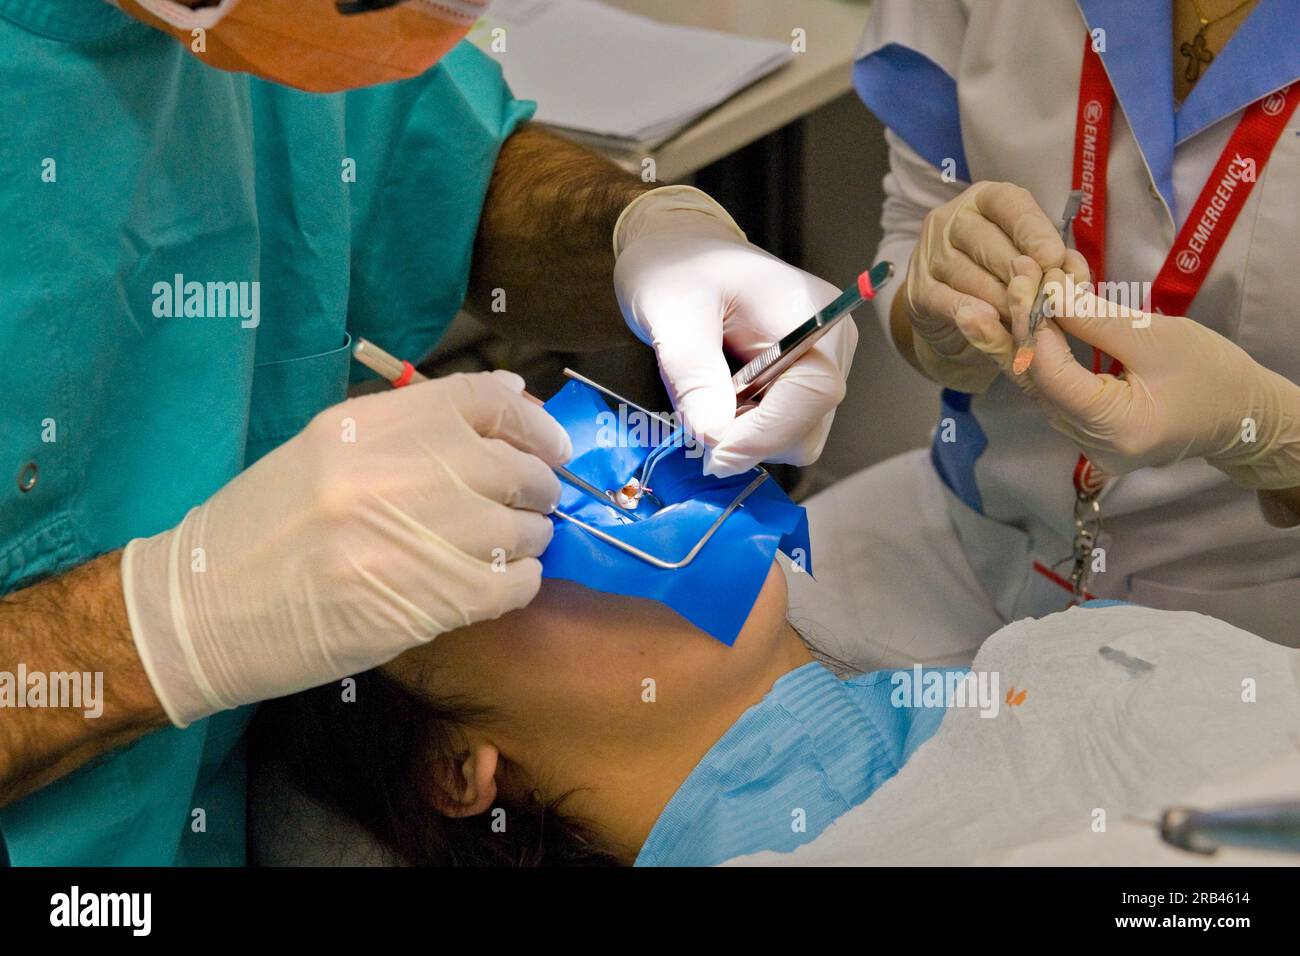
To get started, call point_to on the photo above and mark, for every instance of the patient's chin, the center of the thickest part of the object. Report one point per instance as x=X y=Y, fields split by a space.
x=574 y=643
x=567 y=603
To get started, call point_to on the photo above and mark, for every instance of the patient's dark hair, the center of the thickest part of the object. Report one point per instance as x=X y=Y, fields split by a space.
x=375 y=759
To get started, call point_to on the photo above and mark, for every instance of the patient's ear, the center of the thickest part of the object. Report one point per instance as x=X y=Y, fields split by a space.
x=467 y=784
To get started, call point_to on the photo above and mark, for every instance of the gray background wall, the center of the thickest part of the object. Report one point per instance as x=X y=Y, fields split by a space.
x=889 y=407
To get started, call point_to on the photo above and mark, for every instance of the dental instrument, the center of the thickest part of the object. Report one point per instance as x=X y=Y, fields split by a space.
x=1026 y=350
x=1272 y=827
x=765 y=368
x=654 y=560
x=399 y=373
x=1264 y=826
x=676 y=435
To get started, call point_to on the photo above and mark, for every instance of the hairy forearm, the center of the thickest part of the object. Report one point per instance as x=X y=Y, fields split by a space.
x=69 y=628
x=543 y=259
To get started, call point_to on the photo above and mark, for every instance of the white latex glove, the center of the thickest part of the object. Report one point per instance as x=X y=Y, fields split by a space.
x=957 y=279
x=691 y=286
x=390 y=519
x=1186 y=392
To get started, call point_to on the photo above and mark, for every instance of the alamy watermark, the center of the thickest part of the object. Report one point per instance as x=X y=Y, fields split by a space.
x=182 y=298
x=1101 y=300
x=631 y=427
x=61 y=690
x=921 y=687
x=75 y=908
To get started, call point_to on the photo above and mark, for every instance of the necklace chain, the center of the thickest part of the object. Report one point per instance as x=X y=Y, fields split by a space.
x=1205 y=23
x=1197 y=51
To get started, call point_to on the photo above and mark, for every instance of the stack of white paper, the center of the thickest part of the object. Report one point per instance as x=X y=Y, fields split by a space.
x=623 y=79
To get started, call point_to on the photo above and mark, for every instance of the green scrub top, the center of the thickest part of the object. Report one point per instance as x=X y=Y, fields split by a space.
x=305 y=220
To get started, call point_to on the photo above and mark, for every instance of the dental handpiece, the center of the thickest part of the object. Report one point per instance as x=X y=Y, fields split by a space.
x=765 y=368
x=1265 y=826
x=1025 y=352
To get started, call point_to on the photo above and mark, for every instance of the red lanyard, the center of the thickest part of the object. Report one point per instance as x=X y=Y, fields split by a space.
x=1212 y=215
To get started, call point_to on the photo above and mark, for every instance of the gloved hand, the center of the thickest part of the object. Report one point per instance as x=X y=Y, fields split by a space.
x=390 y=519
x=691 y=286
x=1186 y=392
x=956 y=292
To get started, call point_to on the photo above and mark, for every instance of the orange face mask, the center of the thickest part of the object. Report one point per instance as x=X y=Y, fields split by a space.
x=321 y=46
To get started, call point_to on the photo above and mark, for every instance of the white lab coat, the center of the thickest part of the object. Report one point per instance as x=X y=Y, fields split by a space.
x=1179 y=537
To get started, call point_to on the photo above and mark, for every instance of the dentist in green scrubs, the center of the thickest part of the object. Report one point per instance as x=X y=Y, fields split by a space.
x=191 y=511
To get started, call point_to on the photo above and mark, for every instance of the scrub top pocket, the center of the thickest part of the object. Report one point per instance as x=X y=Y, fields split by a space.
x=289 y=392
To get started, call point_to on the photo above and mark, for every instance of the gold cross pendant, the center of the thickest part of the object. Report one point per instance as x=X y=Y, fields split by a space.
x=1196 y=53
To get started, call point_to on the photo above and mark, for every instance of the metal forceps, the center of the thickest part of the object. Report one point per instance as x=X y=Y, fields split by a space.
x=1025 y=353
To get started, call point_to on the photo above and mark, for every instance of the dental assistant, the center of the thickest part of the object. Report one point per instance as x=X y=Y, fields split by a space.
x=202 y=208
x=1172 y=422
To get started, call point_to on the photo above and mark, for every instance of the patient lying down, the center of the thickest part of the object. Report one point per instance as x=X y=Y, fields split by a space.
x=593 y=729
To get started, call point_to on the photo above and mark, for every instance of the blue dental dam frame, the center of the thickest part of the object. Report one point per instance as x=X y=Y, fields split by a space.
x=701 y=545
